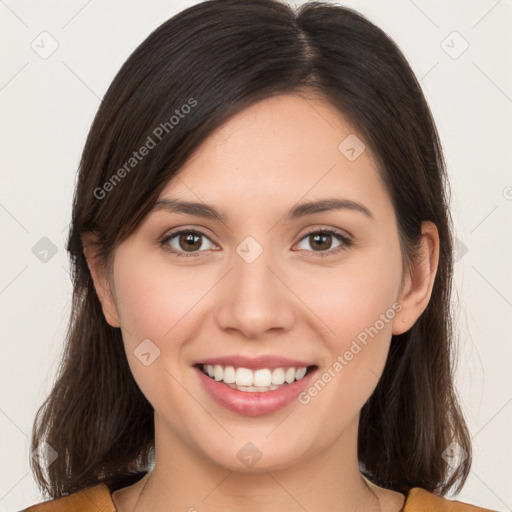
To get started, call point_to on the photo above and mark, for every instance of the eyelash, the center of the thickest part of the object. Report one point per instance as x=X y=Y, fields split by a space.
x=346 y=242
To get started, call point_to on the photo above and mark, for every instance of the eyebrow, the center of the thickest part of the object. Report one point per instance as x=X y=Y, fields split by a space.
x=296 y=212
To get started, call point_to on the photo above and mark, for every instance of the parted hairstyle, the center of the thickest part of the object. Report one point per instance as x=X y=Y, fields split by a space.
x=219 y=57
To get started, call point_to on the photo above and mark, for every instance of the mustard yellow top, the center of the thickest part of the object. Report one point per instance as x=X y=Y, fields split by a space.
x=99 y=499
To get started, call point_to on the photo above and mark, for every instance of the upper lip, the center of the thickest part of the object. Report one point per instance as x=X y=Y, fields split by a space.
x=266 y=361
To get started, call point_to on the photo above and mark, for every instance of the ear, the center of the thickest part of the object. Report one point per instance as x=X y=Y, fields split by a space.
x=100 y=279
x=417 y=289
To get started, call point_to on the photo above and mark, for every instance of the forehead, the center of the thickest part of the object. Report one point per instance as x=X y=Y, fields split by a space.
x=284 y=148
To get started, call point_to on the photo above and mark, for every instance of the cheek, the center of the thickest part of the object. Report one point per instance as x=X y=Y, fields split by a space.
x=352 y=297
x=155 y=304
x=356 y=305
x=154 y=300
x=162 y=304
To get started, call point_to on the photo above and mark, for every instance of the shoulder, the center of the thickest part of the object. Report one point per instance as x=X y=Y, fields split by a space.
x=420 y=500
x=91 y=499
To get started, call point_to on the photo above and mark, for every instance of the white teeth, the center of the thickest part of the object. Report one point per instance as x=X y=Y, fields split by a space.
x=229 y=375
x=299 y=374
x=243 y=377
x=278 y=376
x=261 y=379
x=289 y=376
x=252 y=389
x=218 y=372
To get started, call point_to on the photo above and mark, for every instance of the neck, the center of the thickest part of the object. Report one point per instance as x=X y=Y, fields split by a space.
x=330 y=480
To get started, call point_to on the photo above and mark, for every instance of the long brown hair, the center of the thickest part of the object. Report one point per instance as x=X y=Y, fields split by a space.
x=219 y=57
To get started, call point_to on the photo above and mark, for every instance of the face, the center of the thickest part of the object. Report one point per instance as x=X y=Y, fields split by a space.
x=268 y=287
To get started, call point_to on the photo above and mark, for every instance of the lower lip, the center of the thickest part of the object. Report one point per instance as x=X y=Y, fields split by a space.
x=254 y=403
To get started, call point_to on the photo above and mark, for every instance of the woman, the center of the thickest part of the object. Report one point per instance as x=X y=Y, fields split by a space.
x=262 y=258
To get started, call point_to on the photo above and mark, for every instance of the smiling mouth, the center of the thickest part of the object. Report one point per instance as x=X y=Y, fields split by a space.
x=255 y=380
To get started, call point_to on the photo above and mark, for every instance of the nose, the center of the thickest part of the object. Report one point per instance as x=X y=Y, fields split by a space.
x=255 y=298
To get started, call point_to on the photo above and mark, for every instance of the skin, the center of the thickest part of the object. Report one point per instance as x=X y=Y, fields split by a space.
x=290 y=302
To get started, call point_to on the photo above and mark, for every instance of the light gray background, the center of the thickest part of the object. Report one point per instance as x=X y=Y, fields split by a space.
x=47 y=106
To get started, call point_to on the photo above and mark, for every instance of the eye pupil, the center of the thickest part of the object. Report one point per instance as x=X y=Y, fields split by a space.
x=190 y=241
x=323 y=237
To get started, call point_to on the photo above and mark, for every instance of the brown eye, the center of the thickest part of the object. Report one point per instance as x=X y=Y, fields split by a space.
x=189 y=241
x=321 y=242
x=186 y=243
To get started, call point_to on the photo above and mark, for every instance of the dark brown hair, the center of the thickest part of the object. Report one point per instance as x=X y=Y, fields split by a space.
x=225 y=55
